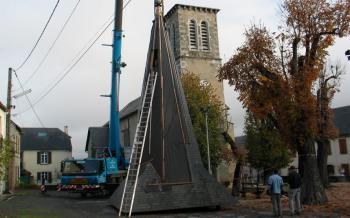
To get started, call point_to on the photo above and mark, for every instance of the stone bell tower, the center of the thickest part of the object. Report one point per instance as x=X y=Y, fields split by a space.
x=193 y=35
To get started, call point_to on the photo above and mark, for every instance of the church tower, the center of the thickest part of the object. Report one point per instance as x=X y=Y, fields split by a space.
x=193 y=35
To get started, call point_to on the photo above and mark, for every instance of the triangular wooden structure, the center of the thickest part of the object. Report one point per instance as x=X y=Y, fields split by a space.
x=171 y=174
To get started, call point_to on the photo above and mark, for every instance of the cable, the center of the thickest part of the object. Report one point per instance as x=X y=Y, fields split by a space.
x=41 y=35
x=30 y=103
x=78 y=58
x=53 y=44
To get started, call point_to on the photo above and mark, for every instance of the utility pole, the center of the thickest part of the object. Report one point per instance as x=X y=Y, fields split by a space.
x=9 y=104
x=8 y=123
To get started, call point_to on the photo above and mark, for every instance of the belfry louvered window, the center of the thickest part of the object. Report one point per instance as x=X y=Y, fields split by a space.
x=205 y=36
x=193 y=35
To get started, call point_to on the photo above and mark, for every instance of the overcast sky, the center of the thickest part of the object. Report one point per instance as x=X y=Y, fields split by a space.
x=75 y=101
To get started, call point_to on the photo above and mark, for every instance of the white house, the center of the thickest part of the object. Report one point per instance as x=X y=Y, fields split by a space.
x=2 y=136
x=339 y=151
x=42 y=150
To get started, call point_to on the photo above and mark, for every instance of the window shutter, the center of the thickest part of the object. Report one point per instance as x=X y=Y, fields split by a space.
x=205 y=35
x=49 y=157
x=330 y=169
x=49 y=177
x=342 y=146
x=38 y=157
x=37 y=176
x=193 y=34
x=329 y=149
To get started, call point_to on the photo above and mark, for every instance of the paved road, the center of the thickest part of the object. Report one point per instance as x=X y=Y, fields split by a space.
x=31 y=204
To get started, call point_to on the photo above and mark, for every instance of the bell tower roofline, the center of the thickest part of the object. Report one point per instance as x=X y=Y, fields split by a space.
x=190 y=7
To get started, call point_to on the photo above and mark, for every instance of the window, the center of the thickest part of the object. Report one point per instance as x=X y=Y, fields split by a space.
x=83 y=166
x=344 y=169
x=44 y=176
x=44 y=158
x=342 y=146
x=205 y=36
x=193 y=35
x=42 y=134
x=330 y=169
x=329 y=149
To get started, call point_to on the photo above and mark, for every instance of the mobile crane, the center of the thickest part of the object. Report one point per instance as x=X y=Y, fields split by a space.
x=106 y=171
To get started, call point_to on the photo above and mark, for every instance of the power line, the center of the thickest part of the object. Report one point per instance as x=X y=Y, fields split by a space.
x=41 y=35
x=77 y=59
x=28 y=100
x=53 y=44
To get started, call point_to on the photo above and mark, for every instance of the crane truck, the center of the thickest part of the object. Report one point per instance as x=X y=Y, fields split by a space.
x=104 y=172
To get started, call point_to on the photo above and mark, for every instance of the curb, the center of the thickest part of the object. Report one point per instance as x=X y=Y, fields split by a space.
x=6 y=197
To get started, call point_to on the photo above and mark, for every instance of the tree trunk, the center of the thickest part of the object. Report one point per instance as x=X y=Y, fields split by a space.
x=267 y=174
x=236 y=183
x=312 y=190
x=322 y=159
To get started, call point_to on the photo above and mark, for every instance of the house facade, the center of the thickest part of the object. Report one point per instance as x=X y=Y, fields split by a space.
x=42 y=151
x=15 y=162
x=339 y=150
x=2 y=136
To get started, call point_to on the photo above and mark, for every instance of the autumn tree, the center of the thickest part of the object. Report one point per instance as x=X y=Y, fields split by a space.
x=266 y=149
x=201 y=99
x=276 y=73
x=328 y=83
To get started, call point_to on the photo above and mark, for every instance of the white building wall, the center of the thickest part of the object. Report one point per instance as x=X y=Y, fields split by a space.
x=2 y=134
x=30 y=163
x=335 y=158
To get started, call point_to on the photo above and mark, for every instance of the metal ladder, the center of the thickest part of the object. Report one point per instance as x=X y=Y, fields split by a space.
x=138 y=146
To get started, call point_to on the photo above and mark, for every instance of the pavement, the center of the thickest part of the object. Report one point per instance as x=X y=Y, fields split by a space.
x=32 y=204
x=5 y=197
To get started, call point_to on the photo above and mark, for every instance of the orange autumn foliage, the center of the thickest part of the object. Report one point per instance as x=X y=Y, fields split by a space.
x=275 y=73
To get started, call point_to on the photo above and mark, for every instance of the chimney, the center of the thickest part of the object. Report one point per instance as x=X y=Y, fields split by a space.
x=66 y=129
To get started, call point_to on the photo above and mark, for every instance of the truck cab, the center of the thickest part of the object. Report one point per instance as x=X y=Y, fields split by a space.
x=92 y=175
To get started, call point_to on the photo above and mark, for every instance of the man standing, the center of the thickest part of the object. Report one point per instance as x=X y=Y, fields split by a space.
x=275 y=183
x=294 y=181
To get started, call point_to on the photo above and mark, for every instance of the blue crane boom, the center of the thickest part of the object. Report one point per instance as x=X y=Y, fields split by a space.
x=114 y=127
x=105 y=171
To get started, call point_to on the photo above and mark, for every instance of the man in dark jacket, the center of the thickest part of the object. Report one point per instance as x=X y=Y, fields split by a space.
x=294 y=181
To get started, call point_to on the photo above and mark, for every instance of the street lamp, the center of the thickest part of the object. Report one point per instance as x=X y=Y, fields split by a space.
x=205 y=110
x=347 y=53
